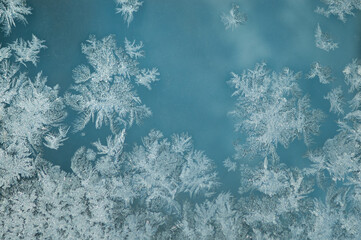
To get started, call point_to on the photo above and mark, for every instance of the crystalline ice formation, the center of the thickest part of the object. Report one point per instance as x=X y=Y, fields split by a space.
x=339 y=8
x=323 y=41
x=11 y=11
x=323 y=73
x=271 y=110
x=104 y=91
x=127 y=8
x=234 y=18
x=29 y=110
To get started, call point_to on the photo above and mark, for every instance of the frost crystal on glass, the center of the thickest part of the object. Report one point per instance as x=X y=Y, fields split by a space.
x=234 y=18
x=271 y=110
x=55 y=140
x=323 y=40
x=127 y=8
x=230 y=165
x=339 y=8
x=33 y=111
x=211 y=218
x=27 y=51
x=352 y=73
x=104 y=91
x=11 y=11
x=323 y=73
x=111 y=194
x=163 y=169
x=336 y=100
x=29 y=111
x=340 y=155
x=164 y=188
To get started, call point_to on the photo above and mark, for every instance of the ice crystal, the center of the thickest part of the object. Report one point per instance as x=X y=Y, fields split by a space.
x=141 y=226
x=111 y=72
x=146 y=77
x=15 y=165
x=109 y=194
x=336 y=100
x=164 y=188
x=230 y=165
x=218 y=219
x=355 y=103
x=234 y=18
x=323 y=73
x=55 y=140
x=271 y=110
x=339 y=8
x=352 y=73
x=11 y=11
x=323 y=40
x=340 y=155
x=127 y=8
x=32 y=112
x=161 y=172
x=27 y=51
x=29 y=110
x=134 y=50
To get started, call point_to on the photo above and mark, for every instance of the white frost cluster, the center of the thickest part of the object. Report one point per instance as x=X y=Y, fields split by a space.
x=146 y=77
x=323 y=41
x=230 y=165
x=104 y=91
x=55 y=140
x=164 y=188
x=29 y=110
x=234 y=18
x=340 y=155
x=116 y=195
x=352 y=73
x=27 y=51
x=134 y=50
x=127 y=8
x=336 y=100
x=163 y=173
x=323 y=73
x=11 y=11
x=271 y=110
x=339 y=8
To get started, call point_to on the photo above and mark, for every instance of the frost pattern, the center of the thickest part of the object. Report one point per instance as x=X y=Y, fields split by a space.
x=29 y=111
x=11 y=11
x=271 y=111
x=234 y=18
x=352 y=74
x=218 y=219
x=230 y=165
x=104 y=91
x=340 y=155
x=25 y=122
x=323 y=73
x=339 y=8
x=336 y=102
x=164 y=188
x=134 y=50
x=55 y=140
x=27 y=51
x=13 y=166
x=323 y=41
x=110 y=194
x=164 y=169
x=127 y=8
x=274 y=194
